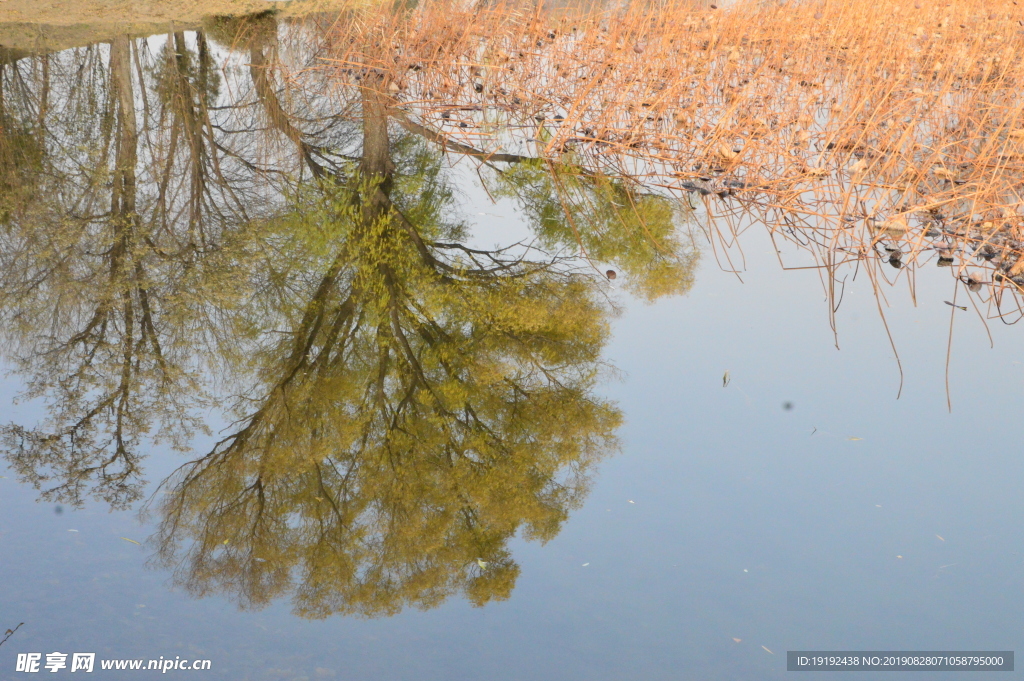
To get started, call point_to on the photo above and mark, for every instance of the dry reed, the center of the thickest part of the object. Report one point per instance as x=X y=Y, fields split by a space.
x=888 y=130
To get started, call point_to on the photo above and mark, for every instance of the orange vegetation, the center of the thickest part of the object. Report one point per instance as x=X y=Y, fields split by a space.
x=864 y=124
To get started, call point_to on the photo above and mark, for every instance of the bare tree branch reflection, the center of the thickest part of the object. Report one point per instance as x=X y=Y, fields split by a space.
x=208 y=223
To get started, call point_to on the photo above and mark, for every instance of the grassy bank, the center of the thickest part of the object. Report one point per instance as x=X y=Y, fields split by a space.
x=60 y=24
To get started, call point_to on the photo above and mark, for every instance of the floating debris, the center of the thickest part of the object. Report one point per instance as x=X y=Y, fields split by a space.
x=10 y=632
x=131 y=540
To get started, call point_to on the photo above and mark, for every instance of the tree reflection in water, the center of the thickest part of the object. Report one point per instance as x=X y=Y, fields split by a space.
x=180 y=236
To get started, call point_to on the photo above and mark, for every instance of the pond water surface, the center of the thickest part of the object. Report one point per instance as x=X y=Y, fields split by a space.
x=275 y=398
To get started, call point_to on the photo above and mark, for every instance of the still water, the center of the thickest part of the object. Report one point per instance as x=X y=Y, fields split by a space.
x=295 y=389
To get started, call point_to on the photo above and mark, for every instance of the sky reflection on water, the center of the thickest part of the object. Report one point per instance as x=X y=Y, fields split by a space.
x=851 y=521
x=723 y=480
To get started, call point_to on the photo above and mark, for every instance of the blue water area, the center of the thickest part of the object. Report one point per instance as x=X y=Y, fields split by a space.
x=783 y=480
x=851 y=521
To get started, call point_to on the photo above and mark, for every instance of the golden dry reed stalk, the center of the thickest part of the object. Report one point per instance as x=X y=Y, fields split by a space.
x=867 y=123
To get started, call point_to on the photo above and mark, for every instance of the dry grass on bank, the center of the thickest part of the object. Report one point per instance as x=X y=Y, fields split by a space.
x=857 y=125
x=90 y=12
x=52 y=25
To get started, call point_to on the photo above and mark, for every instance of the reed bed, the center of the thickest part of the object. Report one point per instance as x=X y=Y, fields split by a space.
x=888 y=130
